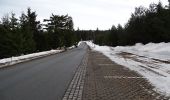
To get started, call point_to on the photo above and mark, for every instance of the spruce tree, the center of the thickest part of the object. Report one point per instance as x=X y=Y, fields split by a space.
x=29 y=44
x=35 y=27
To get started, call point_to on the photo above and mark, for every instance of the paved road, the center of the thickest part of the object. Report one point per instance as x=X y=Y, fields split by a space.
x=42 y=79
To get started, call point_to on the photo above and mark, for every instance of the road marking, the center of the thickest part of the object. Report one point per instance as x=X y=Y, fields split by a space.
x=135 y=77
x=125 y=77
x=105 y=64
x=101 y=58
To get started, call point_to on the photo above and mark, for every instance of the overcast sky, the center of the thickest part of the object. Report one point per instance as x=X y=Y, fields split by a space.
x=87 y=14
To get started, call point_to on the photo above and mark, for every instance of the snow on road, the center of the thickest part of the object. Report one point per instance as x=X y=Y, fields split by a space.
x=151 y=61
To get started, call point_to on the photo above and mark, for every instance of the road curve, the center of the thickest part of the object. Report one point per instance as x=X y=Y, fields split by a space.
x=41 y=79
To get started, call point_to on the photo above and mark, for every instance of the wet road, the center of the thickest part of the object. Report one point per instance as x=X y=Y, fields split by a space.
x=41 y=79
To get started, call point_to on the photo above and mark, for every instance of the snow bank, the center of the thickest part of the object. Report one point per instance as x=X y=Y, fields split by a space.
x=72 y=47
x=154 y=65
x=152 y=50
x=14 y=60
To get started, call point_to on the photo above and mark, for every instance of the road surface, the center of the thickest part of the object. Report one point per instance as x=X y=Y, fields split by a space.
x=106 y=80
x=41 y=79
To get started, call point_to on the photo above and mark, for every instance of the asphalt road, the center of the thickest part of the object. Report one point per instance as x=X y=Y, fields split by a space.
x=41 y=79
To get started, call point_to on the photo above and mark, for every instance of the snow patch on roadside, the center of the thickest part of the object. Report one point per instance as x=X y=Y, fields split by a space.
x=150 y=60
x=14 y=60
x=72 y=47
x=151 y=50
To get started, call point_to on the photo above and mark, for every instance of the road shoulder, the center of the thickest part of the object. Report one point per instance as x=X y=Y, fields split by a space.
x=75 y=88
x=106 y=80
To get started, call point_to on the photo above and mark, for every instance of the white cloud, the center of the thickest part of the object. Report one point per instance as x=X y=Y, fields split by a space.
x=86 y=14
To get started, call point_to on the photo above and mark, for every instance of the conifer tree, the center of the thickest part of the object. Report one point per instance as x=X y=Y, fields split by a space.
x=29 y=44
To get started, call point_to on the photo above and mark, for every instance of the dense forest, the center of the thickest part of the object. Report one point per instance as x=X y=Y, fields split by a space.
x=25 y=34
x=145 y=25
